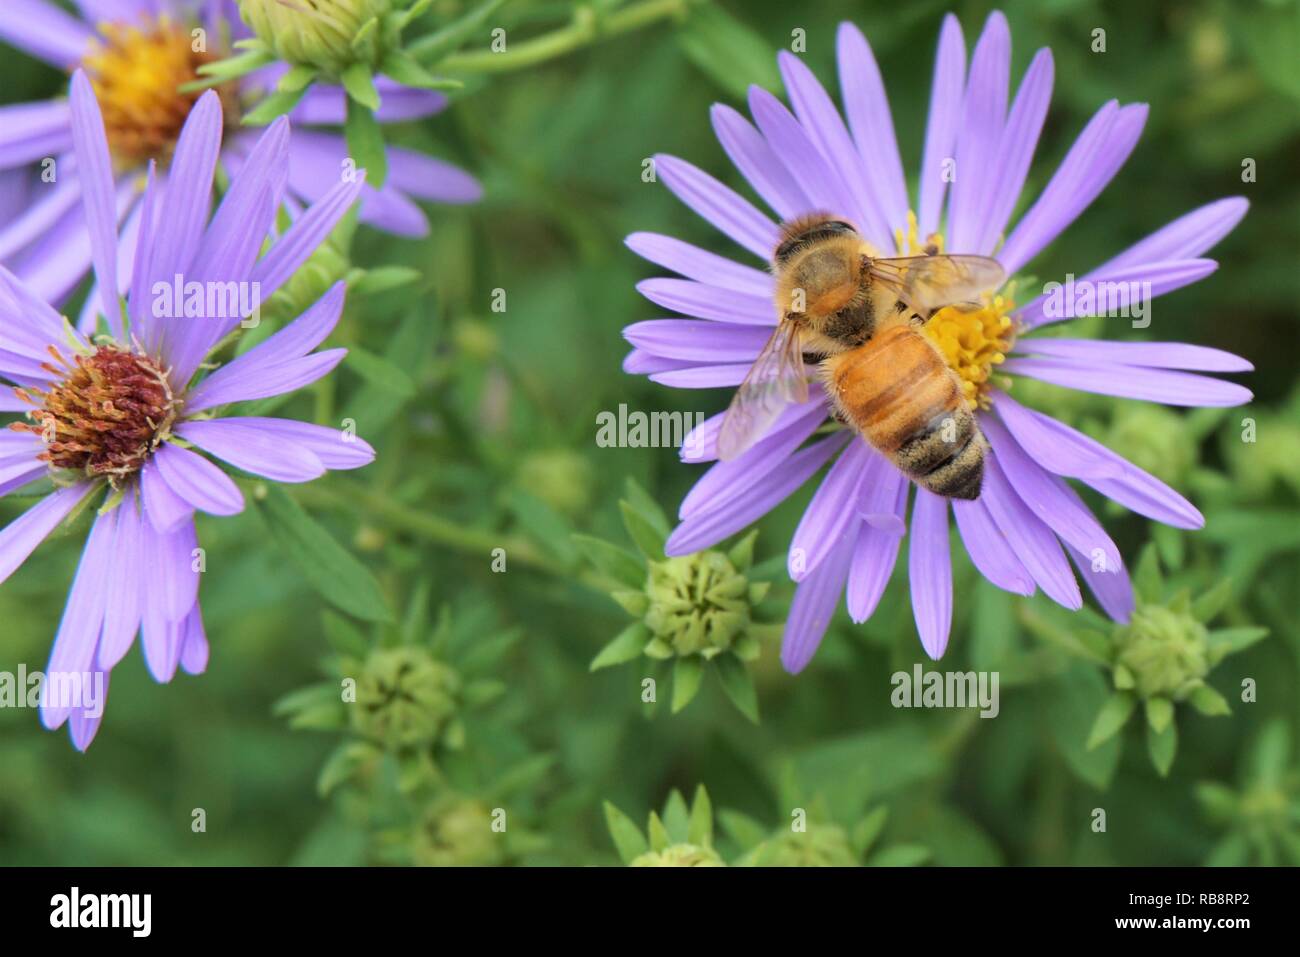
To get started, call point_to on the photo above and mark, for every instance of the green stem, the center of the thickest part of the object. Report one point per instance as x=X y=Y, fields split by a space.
x=426 y=525
x=586 y=28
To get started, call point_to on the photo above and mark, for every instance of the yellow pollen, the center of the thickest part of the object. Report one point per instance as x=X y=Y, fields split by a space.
x=136 y=72
x=973 y=337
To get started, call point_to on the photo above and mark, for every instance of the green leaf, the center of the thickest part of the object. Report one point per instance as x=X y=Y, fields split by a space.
x=366 y=143
x=296 y=78
x=1112 y=716
x=742 y=828
x=547 y=526
x=1209 y=702
x=640 y=500
x=1229 y=641
x=901 y=855
x=360 y=85
x=628 y=839
x=328 y=566
x=676 y=817
x=407 y=72
x=1160 y=711
x=647 y=538
x=1210 y=603
x=435 y=46
x=630 y=643
x=277 y=104
x=1147 y=579
x=701 y=827
x=687 y=673
x=617 y=563
x=659 y=838
x=344 y=636
x=1072 y=702
x=342 y=764
x=1163 y=745
x=219 y=71
x=380 y=373
x=867 y=831
x=738 y=684
x=383 y=279
x=741 y=555
x=729 y=52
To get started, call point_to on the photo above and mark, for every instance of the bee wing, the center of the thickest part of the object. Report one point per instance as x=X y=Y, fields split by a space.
x=776 y=379
x=927 y=283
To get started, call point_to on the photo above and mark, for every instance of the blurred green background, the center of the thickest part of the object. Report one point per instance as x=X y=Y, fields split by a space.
x=485 y=426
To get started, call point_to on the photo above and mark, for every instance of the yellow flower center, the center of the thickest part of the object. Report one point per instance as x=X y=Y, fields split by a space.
x=973 y=338
x=137 y=72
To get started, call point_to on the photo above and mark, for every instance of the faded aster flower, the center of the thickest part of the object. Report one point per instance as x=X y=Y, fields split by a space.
x=116 y=418
x=1027 y=523
x=138 y=56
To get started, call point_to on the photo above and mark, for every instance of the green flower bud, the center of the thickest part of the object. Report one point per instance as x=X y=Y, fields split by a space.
x=457 y=832
x=560 y=478
x=822 y=845
x=1154 y=439
x=699 y=604
x=680 y=855
x=317 y=33
x=405 y=697
x=331 y=262
x=1165 y=652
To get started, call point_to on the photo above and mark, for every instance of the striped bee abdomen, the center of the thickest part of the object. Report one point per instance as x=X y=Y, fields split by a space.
x=898 y=392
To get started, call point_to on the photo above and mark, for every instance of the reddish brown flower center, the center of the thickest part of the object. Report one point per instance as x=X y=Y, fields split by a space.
x=106 y=416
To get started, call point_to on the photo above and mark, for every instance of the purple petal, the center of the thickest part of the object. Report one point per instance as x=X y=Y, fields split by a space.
x=250 y=374
x=194 y=643
x=1113 y=291
x=929 y=570
x=874 y=557
x=74 y=646
x=198 y=482
x=705 y=529
x=1066 y=451
x=336 y=448
x=122 y=589
x=304 y=236
x=249 y=448
x=98 y=194
x=704 y=377
x=827 y=518
x=946 y=97
x=757 y=162
x=44 y=31
x=34 y=218
x=692 y=298
x=984 y=113
x=1091 y=163
x=427 y=177
x=1048 y=497
x=701 y=442
x=1016 y=150
x=701 y=265
x=163 y=507
x=1112 y=588
x=1187 y=237
x=821 y=181
x=867 y=109
x=1032 y=541
x=83 y=725
x=1152 y=385
x=186 y=200
x=1154 y=355
x=719 y=205
x=813 y=606
x=733 y=479
x=988 y=548
x=20 y=537
x=883 y=489
x=698 y=340
x=261 y=381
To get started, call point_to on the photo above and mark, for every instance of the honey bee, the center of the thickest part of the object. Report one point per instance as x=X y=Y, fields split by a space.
x=858 y=317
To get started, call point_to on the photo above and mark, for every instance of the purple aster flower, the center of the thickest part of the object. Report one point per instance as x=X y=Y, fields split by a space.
x=136 y=54
x=1028 y=524
x=123 y=417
